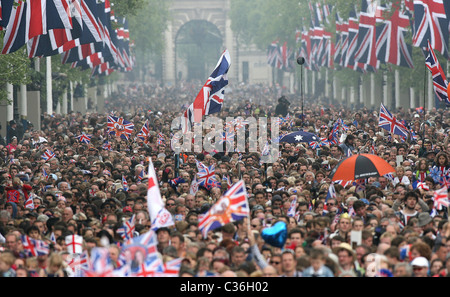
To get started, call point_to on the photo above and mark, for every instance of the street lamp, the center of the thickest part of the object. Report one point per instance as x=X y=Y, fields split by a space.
x=301 y=61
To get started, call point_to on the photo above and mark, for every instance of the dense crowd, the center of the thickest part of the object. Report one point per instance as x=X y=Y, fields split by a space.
x=383 y=226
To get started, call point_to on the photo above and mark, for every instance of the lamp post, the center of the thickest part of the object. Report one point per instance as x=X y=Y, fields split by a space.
x=301 y=61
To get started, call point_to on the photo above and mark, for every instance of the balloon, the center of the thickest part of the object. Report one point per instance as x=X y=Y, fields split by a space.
x=276 y=235
x=448 y=90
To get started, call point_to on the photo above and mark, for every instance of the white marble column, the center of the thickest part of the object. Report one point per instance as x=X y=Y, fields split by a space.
x=49 y=90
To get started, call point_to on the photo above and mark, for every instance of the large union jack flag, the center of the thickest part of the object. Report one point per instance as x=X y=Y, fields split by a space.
x=232 y=206
x=210 y=98
x=440 y=82
x=389 y=122
x=391 y=44
x=431 y=24
x=119 y=127
x=26 y=20
x=367 y=37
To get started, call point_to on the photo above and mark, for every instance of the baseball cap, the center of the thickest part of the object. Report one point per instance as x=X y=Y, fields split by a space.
x=419 y=261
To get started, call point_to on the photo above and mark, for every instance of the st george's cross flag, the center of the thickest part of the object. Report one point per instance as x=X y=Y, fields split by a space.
x=74 y=244
x=159 y=215
x=210 y=98
x=232 y=206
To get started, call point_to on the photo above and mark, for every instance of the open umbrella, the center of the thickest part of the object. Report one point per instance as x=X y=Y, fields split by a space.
x=360 y=166
x=299 y=136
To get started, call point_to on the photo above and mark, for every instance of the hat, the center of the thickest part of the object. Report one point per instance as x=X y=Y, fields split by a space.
x=424 y=219
x=257 y=207
x=127 y=209
x=420 y=261
x=33 y=214
x=163 y=229
x=429 y=153
x=346 y=246
x=365 y=201
x=416 y=115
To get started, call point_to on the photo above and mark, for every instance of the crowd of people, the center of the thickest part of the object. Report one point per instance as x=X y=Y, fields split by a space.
x=382 y=226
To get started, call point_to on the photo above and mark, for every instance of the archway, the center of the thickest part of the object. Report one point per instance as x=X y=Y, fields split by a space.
x=198 y=45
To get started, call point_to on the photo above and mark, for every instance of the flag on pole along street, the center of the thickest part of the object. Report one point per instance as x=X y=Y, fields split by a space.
x=440 y=82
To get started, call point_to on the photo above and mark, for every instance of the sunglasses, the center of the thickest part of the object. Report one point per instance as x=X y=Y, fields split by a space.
x=275 y=262
x=170 y=204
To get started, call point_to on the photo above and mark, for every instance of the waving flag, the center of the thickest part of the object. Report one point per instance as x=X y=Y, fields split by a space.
x=146 y=243
x=119 y=127
x=367 y=35
x=440 y=82
x=153 y=266
x=144 y=133
x=388 y=122
x=127 y=229
x=124 y=183
x=159 y=215
x=172 y=268
x=74 y=243
x=440 y=198
x=292 y=207
x=84 y=138
x=206 y=176
x=44 y=173
x=210 y=99
x=107 y=146
x=29 y=204
x=232 y=206
x=100 y=263
x=194 y=186
x=34 y=248
x=331 y=192
x=48 y=155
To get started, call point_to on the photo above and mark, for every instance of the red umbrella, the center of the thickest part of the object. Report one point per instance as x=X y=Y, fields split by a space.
x=360 y=166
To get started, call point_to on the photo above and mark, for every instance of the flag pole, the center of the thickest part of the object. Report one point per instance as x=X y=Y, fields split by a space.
x=424 y=99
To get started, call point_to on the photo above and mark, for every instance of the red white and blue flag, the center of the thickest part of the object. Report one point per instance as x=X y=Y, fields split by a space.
x=431 y=25
x=33 y=247
x=390 y=123
x=84 y=138
x=27 y=20
x=210 y=98
x=231 y=207
x=127 y=229
x=206 y=176
x=144 y=133
x=124 y=183
x=119 y=127
x=440 y=198
x=48 y=155
x=29 y=203
x=440 y=82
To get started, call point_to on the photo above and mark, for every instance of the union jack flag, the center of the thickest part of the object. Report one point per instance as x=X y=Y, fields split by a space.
x=391 y=44
x=231 y=207
x=319 y=143
x=431 y=25
x=26 y=20
x=146 y=242
x=107 y=146
x=172 y=268
x=161 y=139
x=228 y=138
x=124 y=183
x=140 y=176
x=331 y=192
x=206 y=176
x=34 y=248
x=100 y=263
x=79 y=263
x=440 y=82
x=210 y=99
x=127 y=229
x=44 y=174
x=273 y=53
x=152 y=266
x=440 y=198
x=367 y=37
x=29 y=203
x=119 y=127
x=84 y=138
x=144 y=133
x=48 y=155
x=388 y=122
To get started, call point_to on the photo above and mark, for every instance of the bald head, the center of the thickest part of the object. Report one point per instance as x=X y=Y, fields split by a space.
x=67 y=214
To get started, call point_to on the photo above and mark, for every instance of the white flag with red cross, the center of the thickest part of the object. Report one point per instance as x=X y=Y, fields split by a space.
x=74 y=244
